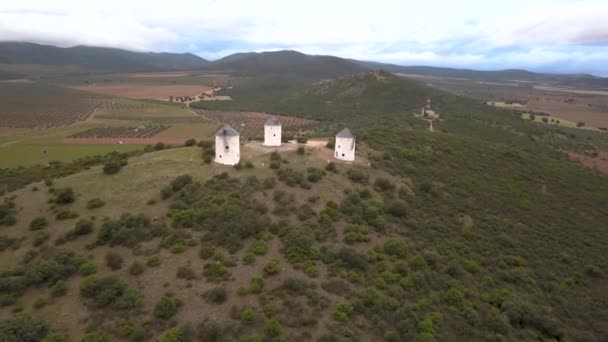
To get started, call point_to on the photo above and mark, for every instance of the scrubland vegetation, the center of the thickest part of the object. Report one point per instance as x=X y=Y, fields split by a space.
x=481 y=231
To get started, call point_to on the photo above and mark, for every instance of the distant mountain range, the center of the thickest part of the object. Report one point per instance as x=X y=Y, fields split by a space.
x=286 y=62
x=100 y=59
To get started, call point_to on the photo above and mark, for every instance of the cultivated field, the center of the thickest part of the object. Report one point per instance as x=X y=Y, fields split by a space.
x=145 y=91
x=251 y=124
x=31 y=105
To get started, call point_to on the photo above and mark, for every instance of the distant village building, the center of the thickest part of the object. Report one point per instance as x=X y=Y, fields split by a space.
x=345 y=145
x=272 y=132
x=427 y=113
x=227 y=146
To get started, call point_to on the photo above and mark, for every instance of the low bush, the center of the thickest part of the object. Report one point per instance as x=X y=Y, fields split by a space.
x=38 y=223
x=272 y=267
x=185 y=272
x=82 y=227
x=248 y=316
x=136 y=268
x=65 y=196
x=95 y=203
x=114 y=261
x=166 y=307
x=66 y=214
x=109 y=292
x=112 y=167
x=217 y=295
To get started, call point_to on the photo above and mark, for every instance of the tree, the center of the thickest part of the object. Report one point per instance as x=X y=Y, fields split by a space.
x=111 y=167
x=190 y=142
x=580 y=124
x=65 y=196
x=532 y=117
x=545 y=119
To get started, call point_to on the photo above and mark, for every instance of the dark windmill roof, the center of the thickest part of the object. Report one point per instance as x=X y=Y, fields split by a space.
x=272 y=122
x=345 y=133
x=226 y=131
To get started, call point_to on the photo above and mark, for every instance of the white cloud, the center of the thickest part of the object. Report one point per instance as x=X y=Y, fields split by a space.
x=459 y=33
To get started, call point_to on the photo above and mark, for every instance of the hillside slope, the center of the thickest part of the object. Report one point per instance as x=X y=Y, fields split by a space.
x=96 y=58
x=440 y=237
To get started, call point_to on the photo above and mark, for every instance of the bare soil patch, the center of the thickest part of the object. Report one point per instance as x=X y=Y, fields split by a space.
x=599 y=163
x=145 y=91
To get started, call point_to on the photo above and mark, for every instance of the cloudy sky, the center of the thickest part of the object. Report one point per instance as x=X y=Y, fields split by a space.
x=540 y=35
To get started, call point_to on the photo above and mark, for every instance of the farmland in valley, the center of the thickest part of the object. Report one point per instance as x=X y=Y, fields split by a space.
x=139 y=91
x=30 y=105
x=251 y=124
x=119 y=132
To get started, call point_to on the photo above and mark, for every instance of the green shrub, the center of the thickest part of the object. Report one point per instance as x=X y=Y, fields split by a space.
x=153 y=261
x=95 y=203
x=114 y=261
x=87 y=268
x=66 y=214
x=109 y=292
x=593 y=271
x=38 y=223
x=301 y=150
x=82 y=227
x=273 y=267
x=65 y=196
x=59 y=289
x=166 y=307
x=96 y=336
x=40 y=237
x=397 y=208
x=217 y=295
x=136 y=268
x=383 y=184
x=215 y=272
x=248 y=316
x=206 y=252
x=357 y=176
x=331 y=167
x=190 y=142
x=112 y=166
x=185 y=272
x=180 y=182
x=269 y=183
x=273 y=327
x=395 y=247
x=343 y=312
x=22 y=328
x=302 y=140
x=39 y=303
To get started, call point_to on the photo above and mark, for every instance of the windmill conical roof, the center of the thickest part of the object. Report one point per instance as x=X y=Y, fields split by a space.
x=226 y=131
x=345 y=133
x=272 y=122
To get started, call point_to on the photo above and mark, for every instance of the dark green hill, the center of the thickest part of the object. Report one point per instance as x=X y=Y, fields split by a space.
x=96 y=58
x=290 y=62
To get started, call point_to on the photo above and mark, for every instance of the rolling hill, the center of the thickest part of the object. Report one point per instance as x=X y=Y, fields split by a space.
x=291 y=62
x=95 y=59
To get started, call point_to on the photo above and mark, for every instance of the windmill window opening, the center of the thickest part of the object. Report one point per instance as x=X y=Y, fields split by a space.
x=342 y=154
x=227 y=147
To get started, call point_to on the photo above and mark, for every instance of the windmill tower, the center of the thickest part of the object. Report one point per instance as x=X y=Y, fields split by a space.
x=345 y=145
x=227 y=146
x=272 y=132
